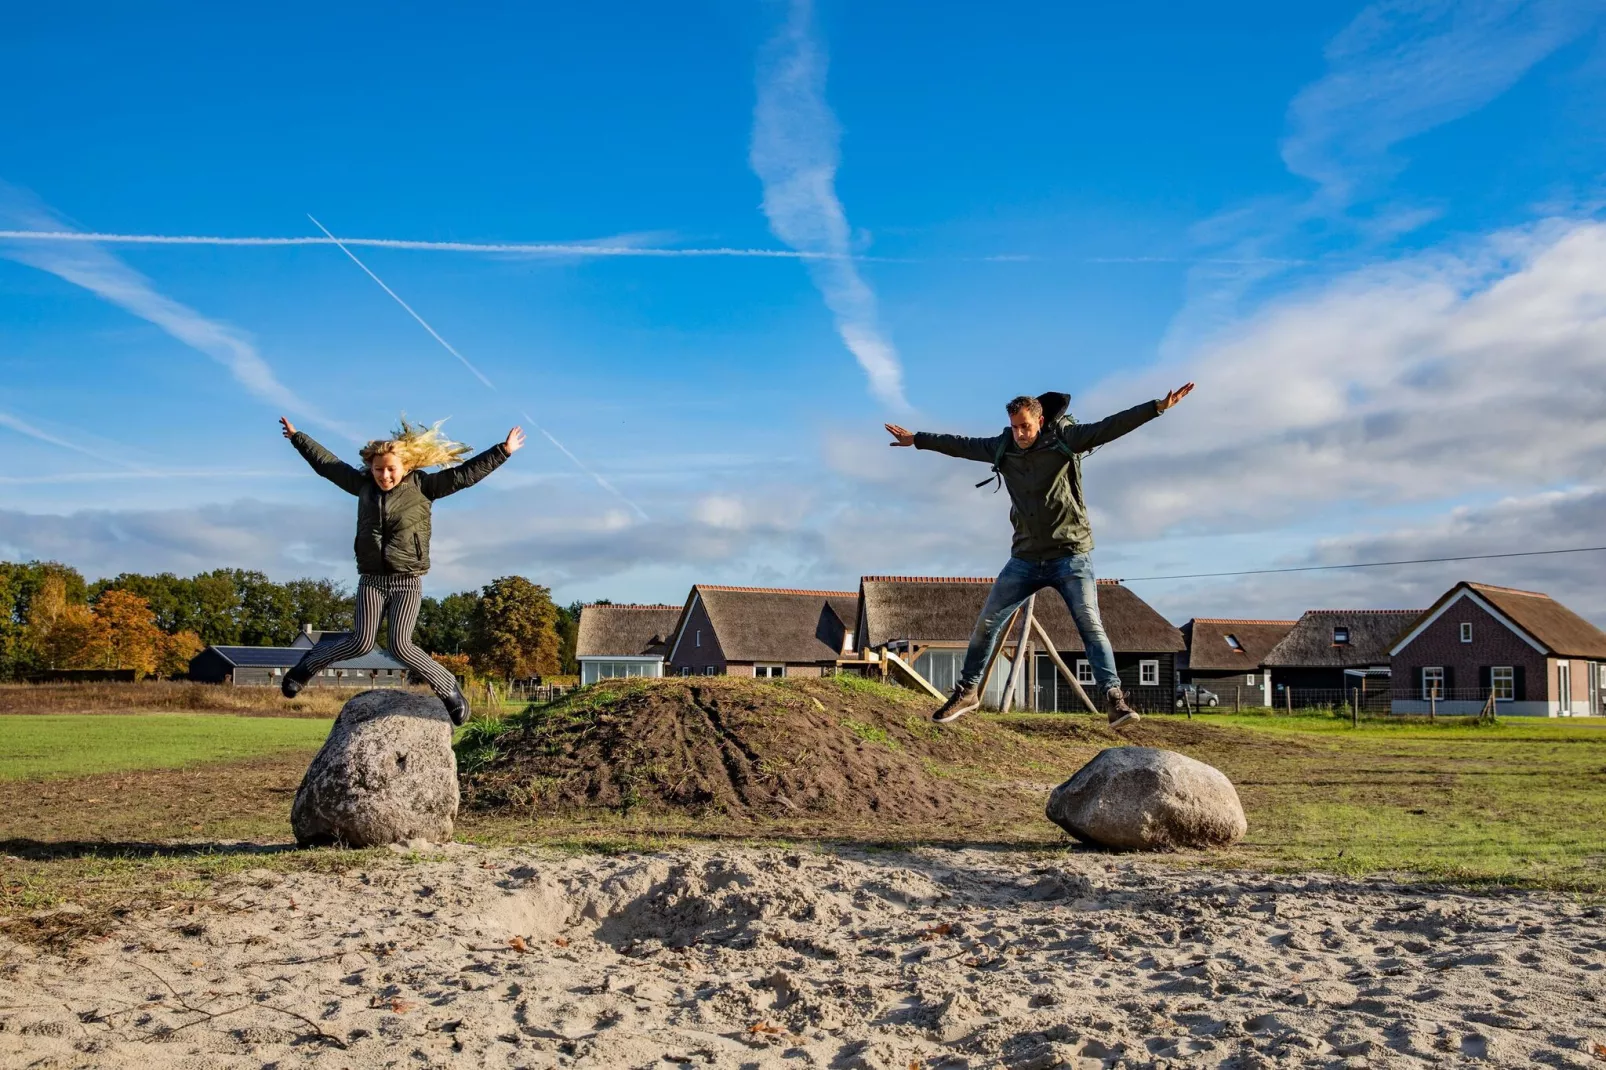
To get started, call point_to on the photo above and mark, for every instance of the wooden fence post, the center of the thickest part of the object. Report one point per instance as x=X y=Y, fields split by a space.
x=1355 y=707
x=1288 y=700
x=1237 y=698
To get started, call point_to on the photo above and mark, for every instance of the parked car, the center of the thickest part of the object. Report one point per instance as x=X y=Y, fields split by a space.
x=1196 y=696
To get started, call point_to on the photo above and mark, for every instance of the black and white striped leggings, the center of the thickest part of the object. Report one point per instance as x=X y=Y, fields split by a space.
x=399 y=596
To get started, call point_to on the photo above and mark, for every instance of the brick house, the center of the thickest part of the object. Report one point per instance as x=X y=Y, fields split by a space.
x=1331 y=653
x=1228 y=657
x=762 y=631
x=1535 y=655
x=623 y=640
x=927 y=621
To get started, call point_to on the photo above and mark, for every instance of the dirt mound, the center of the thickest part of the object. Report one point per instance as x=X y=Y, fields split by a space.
x=838 y=749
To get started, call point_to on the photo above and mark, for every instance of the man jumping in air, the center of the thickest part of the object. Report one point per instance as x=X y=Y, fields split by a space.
x=1040 y=460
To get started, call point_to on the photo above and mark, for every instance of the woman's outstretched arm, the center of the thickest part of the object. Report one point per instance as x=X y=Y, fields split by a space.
x=451 y=480
x=326 y=464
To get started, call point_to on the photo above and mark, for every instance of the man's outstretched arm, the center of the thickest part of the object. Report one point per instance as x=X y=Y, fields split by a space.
x=1084 y=437
x=966 y=449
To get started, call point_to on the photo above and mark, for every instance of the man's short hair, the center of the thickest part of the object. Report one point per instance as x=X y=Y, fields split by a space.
x=1026 y=403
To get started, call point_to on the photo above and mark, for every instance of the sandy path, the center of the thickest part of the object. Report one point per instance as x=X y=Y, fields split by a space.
x=766 y=958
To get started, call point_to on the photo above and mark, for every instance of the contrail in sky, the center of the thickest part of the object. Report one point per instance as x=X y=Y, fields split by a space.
x=795 y=155
x=518 y=248
x=433 y=333
x=23 y=427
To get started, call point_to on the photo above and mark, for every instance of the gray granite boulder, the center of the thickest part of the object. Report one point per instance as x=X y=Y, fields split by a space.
x=386 y=774
x=1147 y=799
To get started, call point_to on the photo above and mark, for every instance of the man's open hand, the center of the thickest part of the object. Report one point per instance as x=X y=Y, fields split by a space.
x=289 y=428
x=1175 y=396
x=901 y=437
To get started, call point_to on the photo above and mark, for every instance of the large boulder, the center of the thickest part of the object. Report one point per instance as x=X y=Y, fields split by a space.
x=1147 y=799
x=386 y=774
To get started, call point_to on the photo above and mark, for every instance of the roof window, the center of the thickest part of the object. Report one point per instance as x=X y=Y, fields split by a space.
x=1232 y=641
x=1340 y=635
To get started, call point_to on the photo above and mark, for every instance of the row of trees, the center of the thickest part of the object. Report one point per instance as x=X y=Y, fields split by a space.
x=51 y=618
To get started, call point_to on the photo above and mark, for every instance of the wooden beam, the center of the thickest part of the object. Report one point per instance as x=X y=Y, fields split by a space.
x=1023 y=650
x=992 y=662
x=1070 y=677
x=909 y=670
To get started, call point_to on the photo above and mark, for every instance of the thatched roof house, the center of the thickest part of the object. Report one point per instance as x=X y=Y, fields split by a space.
x=762 y=631
x=928 y=620
x=1336 y=650
x=623 y=640
x=1228 y=657
x=1533 y=654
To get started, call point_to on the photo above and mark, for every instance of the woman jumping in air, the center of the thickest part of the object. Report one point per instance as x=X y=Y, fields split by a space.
x=394 y=496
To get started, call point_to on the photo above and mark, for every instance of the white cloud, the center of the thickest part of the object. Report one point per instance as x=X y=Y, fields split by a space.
x=1403 y=67
x=1425 y=380
x=89 y=266
x=795 y=155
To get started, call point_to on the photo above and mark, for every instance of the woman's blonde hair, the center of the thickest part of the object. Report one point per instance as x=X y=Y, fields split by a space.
x=418 y=446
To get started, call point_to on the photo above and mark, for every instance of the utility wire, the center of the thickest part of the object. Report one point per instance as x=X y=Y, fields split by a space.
x=1363 y=564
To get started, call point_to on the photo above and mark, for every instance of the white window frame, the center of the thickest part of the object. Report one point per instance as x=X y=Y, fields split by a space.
x=1149 y=673
x=685 y=670
x=699 y=641
x=1509 y=680
x=708 y=670
x=774 y=671
x=1466 y=631
x=1252 y=679
x=847 y=641
x=1432 y=680
x=1084 y=671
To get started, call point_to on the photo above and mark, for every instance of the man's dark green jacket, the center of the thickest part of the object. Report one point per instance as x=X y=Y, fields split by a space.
x=1045 y=481
x=393 y=525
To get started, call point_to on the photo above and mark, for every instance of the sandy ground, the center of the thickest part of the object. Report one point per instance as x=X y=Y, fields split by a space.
x=752 y=957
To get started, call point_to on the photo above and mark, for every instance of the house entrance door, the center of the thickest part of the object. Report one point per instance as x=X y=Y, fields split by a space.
x=1564 y=688
x=1594 y=672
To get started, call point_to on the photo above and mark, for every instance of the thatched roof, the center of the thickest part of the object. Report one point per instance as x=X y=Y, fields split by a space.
x=1552 y=625
x=778 y=624
x=1216 y=644
x=625 y=631
x=1309 y=644
x=942 y=609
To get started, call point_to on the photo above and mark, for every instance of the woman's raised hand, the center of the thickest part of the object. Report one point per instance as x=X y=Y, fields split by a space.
x=1175 y=396
x=515 y=440
x=289 y=428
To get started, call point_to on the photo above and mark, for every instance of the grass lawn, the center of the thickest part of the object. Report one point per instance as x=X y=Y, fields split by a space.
x=56 y=745
x=1520 y=802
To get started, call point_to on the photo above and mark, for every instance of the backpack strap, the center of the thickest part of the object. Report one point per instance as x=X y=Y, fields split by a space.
x=997 y=478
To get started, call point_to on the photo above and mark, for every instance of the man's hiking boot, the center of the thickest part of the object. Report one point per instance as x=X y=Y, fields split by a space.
x=294 y=680
x=964 y=700
x=456 y=706
x=1120 y=712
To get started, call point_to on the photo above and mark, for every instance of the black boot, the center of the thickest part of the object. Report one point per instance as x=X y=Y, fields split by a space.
x=456 y=706
x=294 y=680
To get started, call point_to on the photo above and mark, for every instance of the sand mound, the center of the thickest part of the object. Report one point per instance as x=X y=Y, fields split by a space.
x=827 y=748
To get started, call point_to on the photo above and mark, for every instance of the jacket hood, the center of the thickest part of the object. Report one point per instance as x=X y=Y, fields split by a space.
x=1055 y=405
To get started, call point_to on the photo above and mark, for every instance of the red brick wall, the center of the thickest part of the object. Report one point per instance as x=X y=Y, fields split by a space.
x=1492 y=644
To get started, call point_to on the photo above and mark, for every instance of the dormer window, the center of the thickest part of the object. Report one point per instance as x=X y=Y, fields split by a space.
x=1232 y=641
x=1340 y=635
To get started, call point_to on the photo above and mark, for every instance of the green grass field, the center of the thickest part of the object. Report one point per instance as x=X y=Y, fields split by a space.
x=56 y=745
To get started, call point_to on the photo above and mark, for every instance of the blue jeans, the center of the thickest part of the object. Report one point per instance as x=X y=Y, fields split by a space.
x=1072 y=576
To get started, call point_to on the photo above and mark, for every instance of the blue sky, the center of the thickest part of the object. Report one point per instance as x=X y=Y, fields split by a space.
x=1372 y=234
